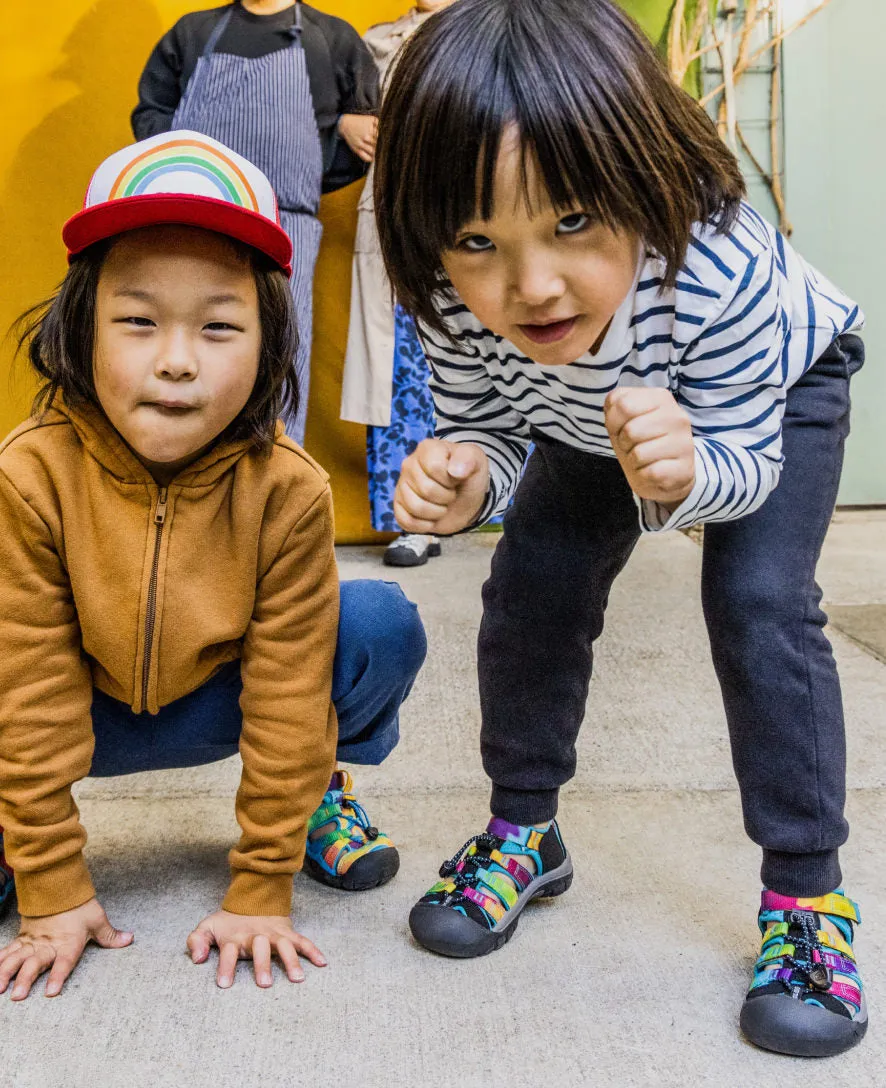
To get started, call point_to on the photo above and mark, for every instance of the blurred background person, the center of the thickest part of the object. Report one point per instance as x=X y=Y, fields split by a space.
x=288 y=87
x=386 y=375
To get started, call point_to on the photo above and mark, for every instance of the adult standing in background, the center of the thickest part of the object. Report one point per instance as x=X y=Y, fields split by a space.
x=385 y=381
x=290 y=88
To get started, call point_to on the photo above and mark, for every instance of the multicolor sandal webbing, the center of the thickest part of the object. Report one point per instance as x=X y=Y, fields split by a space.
x=473 y=909
x=806 y=997
x=352 y=854
x=7 y=883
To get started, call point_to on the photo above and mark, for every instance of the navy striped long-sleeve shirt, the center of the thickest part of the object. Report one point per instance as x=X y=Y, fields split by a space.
x=746 y=319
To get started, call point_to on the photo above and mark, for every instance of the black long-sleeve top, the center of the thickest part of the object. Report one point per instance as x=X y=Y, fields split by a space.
x=341 y=71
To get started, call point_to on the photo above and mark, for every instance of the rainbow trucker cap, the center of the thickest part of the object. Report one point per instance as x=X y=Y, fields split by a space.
x=180 y=177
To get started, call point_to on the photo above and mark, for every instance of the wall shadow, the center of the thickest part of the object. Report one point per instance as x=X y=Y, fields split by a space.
x=103 y=57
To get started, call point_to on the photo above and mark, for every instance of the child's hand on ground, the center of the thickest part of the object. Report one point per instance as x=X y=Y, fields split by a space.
x=442 y=487
x=55 y=943
x=244 y=937
x=360 y=133
x=652 y=439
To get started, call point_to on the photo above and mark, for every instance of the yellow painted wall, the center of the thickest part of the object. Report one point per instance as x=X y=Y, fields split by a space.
x=67 y=89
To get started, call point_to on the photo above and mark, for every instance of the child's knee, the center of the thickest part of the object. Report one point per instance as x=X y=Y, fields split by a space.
x=742 y=603
x=385 y=622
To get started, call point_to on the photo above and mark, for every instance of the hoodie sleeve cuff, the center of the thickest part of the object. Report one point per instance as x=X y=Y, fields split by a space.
x=259 y=894
x=51 y=891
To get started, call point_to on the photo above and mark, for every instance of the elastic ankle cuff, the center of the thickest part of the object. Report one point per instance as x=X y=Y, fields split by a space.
x=524 y=807
x=801 y=875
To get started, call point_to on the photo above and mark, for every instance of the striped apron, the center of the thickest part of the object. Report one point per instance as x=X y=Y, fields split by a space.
x=262 y=108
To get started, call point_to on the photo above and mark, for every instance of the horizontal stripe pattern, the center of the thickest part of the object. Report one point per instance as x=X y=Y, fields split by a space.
x=746 y=319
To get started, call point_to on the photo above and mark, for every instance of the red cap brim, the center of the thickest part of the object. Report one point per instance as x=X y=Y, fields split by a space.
x=129 y=213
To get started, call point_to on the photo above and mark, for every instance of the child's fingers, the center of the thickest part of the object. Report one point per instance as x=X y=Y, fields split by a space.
x=11 y=965
x=410 y=524
x=261 y=960
x=416 y=478
x=417 y=505
x=656 y=449
x=199 y=943
x=464 y=461
x=228 y=955
x=34 y=966
x=289 y=958
x=426 y=487
x=108 y=937
x=433 y=456
x=310 y=951
x=58 y=976
x=9 y=950
x=643 y=428
x=625 y=403
x=663 y=481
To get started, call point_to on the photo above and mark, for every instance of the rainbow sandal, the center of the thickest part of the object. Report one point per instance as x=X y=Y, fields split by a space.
x=474 y=908
x=806 y=998
x=352 y=854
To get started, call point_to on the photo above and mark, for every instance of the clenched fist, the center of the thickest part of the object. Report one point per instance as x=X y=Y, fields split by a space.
x=442 y=487
x=652 y=439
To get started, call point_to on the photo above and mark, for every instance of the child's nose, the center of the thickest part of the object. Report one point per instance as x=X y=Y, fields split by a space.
x=176 y=360
x=537 y=282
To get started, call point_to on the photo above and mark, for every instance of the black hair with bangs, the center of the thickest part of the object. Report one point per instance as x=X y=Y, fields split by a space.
x=595 y=109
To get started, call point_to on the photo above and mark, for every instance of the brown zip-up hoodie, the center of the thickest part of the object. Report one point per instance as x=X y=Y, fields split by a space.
x=107 y=580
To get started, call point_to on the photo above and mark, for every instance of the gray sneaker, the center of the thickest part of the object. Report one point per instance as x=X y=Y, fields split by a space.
x=411 y=550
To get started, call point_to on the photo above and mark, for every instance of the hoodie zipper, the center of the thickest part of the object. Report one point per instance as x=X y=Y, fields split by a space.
x=151 y=613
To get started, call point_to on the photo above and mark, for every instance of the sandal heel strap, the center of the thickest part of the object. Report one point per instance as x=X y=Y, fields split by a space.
x=833 y=903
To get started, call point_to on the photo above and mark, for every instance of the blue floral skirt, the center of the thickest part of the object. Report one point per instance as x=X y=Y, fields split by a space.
x=412 y=420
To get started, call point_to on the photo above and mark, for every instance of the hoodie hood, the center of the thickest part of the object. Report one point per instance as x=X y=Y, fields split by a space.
x=105 y=444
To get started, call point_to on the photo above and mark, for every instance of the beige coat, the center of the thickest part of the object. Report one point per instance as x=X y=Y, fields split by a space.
x=369 y=360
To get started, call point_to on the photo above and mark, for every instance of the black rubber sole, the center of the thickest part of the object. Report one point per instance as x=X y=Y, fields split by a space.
x=370 y=871
x=410 y=559
x=451 y=933
x=787 y=1026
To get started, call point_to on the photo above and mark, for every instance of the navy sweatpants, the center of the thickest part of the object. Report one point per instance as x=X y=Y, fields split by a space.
x=569 y=532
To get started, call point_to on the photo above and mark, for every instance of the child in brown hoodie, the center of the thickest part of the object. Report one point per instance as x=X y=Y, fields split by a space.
x=168 y=587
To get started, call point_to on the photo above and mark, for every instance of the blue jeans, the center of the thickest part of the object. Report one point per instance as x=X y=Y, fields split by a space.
x=381 y=647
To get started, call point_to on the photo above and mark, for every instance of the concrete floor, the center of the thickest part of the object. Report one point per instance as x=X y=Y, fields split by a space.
x=604 y=986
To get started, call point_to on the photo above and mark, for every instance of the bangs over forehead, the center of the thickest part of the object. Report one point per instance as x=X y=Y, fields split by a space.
x=594 y=110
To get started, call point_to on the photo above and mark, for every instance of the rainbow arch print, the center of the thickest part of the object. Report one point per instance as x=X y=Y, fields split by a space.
x=186 y=156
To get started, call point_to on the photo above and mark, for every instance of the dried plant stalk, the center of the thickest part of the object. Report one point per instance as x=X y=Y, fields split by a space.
x=771 y=44
x=684 y=39
x=684 y=47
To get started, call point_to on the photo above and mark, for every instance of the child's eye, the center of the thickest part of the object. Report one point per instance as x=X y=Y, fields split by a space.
x=220 y=326
x=572 y=224
x=137 y=322
x=476 y=243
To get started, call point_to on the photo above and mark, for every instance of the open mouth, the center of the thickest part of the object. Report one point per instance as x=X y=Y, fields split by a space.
x=550 y=332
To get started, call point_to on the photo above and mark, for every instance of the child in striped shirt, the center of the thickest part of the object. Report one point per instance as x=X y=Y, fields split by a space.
x=569 y=231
